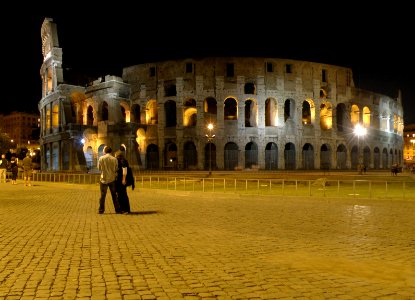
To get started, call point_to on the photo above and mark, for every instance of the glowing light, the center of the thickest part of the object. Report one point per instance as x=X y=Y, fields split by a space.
x=359 y=130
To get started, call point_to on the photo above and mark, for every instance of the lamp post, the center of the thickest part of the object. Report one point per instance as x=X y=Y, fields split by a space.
x=359 y=131
x=210 y=137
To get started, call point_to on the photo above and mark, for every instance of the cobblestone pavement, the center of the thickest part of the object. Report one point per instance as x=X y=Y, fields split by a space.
x=184 y=245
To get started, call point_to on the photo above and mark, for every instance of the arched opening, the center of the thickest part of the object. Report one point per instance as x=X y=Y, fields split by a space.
x=231 y=158
x=376 y=158
x=354 y=154
x=341 y=154
x=354 y=115
x=308 y=157
x=152 y=157
x=151 y=112
x=271 y=112
x=55 y=115
x=289 y=110
x=325 y=157
x=385 y=159
x=231 y=109
x=251 y=155
x=90 y=116
x=189 y=156
x=366 y=117
x=170 y=113
x=250 y=113
x=89 y=157
x=210 y=158
x=271 y=156
x=366 y=156
x=170 y=156
x=289 y=156
x=326 y=121
x=136 y=114
x=341 y=119
x=249 y=88
x=306 y=113
x=104 y=111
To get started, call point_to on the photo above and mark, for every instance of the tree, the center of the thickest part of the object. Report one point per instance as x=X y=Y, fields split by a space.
x=5 y=142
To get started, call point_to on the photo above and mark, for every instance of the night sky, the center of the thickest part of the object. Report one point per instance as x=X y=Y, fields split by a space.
x=376 y=44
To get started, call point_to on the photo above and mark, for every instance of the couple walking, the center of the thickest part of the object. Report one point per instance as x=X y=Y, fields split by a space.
x=113 y=177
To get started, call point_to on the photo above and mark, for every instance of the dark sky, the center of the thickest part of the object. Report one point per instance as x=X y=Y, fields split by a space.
x=376 y=44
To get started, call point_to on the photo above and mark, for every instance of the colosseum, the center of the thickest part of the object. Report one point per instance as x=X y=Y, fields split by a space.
x=216 y=113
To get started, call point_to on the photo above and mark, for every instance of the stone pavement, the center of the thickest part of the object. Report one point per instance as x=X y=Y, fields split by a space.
x=184 y=245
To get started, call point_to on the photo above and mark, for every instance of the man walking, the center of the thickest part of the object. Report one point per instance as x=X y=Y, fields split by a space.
x=108 y=166
x=3 y=168
x=27 y=169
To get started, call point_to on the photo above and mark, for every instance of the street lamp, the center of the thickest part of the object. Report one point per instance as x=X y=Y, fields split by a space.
x=359 y=131
x=210 y=137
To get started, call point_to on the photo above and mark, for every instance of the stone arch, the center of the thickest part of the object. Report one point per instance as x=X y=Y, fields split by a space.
x=135 y=113
x=251 y=113
x=250 y=88
x=325 y=157
x=341 y=155
x=89 y=158
x=48 y=120
x=210 y=110
x=366 y=156
x=251 y=155
x=230 y=109
x=385 y=158
x=189 y=112
x=392 y=157
x=326 y=116
x=170 y=156
x=170 y=113
x=289 y=110
x=271 y=156
x=289 y=156
x=308 y=156
x=354 y=156
x=341 y=117
x=354 y=115
x=210 y=156
x=376 y=158
x=384 y=122
x=366 y=117
x=104 y=111
x=308 y=112
x=125 y=112
x=271 y=112
x=90 y=115
x=152 y=157
x=151 y=112
x=55 y=115
x=189 y=156
x=231 y=156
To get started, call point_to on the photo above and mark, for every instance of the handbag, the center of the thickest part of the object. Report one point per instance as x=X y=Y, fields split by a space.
x=130 y=180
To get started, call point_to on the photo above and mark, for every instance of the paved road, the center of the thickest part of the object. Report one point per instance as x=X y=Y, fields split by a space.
x=178 y=245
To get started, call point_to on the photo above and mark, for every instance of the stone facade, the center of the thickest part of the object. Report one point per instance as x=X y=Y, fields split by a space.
x=267 y=113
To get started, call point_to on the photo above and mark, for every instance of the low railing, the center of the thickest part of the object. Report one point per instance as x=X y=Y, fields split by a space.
x=321 y=187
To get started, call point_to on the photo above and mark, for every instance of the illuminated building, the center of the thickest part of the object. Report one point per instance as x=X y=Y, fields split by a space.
x=268 y=113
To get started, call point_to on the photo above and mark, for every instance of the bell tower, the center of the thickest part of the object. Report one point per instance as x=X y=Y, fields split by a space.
x=51 y=71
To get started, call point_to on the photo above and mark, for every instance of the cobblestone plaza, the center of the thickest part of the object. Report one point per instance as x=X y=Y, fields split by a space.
x=185 y=245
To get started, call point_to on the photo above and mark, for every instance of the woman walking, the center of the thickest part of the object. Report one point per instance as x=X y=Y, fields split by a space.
x=14 y=168
x=121 y=183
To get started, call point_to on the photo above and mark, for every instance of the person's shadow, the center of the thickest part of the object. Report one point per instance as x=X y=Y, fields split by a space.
x=148 y=212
